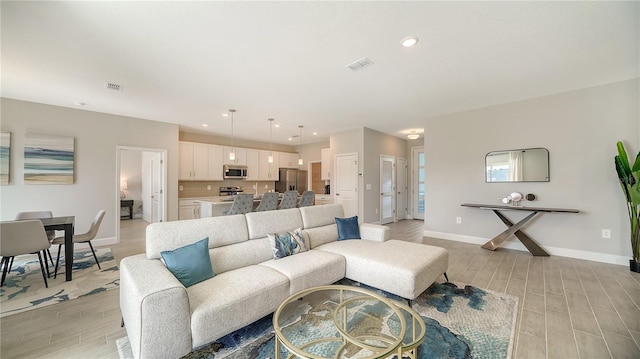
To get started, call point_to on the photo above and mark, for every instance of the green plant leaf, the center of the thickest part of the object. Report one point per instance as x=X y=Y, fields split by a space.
x=636 y=165
x=623 y=154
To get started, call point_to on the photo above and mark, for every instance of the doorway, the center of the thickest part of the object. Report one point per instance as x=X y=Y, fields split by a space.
x=402 y=189
x=387 y=189
x=346 y=187
x=141 y=178
x=417 y=197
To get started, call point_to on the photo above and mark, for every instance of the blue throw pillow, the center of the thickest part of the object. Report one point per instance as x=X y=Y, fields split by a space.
x=190 y=264
x=348 y=228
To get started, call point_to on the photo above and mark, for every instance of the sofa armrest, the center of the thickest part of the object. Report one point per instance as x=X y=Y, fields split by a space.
x=155 y=309
x=374 y=232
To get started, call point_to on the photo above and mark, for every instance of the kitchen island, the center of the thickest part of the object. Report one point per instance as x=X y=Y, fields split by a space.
x=217 y=206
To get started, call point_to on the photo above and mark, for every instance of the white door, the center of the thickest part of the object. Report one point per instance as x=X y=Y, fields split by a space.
x=418 y=182
x=401 y=189
x=387 y=189
x=157 y=194
x=346 y=186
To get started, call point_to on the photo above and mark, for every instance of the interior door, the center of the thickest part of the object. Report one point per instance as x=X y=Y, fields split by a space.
x=418 y=182
x=157 y=195
x=387 y=189
x=346 y=186
x=401 y=189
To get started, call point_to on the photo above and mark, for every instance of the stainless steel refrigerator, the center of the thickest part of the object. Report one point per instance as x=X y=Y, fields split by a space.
x=292 y=180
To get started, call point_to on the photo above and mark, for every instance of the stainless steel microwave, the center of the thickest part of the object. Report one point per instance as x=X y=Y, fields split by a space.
x=234 y=172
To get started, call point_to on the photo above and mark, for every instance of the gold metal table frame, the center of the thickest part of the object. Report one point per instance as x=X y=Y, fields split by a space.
x=404 y=343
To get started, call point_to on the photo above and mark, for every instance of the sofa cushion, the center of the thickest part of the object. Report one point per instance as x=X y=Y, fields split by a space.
x=309 y=269
x=222 y=231
x=190 y=264
x=317 y=216
x=348 y=228
x=287 y=243
x=320 y=235
x=240 y=255
x=260 y=224
x=232 y=300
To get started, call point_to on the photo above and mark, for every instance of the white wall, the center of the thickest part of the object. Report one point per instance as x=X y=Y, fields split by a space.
x=580 y=129
x=97 y=136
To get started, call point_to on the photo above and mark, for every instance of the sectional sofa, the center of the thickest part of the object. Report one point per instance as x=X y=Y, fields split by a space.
x=165 y=319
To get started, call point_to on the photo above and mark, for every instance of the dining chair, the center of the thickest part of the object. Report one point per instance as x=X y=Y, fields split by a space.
x=269 y=202
x=22 y=237
x=50 y=234
x=82 y=238
x=307 y=199
x=289 y=200
x=242 y=203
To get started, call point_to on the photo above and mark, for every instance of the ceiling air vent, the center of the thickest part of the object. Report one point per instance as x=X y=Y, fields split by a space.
x=113 y=86
x=360 y=64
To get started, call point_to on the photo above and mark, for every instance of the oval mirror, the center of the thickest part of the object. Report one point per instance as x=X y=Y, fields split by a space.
x=520 y=165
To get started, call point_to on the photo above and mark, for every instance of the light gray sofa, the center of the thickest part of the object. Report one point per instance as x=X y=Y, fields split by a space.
x=164 y=319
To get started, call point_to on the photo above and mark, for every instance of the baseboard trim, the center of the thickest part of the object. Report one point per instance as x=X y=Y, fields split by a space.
x=556 y=251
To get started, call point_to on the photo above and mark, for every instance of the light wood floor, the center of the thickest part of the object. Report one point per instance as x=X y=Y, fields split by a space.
x=568 y=308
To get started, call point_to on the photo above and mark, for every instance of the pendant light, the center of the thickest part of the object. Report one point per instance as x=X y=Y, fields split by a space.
x=270 y=158
x=232 y=154
x=300 y=161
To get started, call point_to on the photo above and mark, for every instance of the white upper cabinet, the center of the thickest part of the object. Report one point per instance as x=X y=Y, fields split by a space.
x=326 y=164
x=268 y=171
x=253 y=165
x=241 y=156
x=287 y=160
x=216 y=153
x=193 y=161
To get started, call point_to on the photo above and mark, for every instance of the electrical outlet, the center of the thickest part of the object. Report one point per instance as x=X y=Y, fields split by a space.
x=606 y=233
x=208 y=187
x=459 y=220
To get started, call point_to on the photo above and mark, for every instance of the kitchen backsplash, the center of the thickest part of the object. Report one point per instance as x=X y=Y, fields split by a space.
x=191 y=189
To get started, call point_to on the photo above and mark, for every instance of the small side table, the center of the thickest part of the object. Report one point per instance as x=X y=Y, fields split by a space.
x=127 y=203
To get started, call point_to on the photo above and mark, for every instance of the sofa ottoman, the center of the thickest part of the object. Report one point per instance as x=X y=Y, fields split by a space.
x=399 y=267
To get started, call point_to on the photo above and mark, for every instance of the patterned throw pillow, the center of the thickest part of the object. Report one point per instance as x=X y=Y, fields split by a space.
x=287 y=244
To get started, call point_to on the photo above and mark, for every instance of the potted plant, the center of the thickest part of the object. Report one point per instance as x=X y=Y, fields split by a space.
x=630 y=182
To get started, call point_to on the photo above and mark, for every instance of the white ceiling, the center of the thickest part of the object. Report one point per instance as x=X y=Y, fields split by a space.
x=189 y=62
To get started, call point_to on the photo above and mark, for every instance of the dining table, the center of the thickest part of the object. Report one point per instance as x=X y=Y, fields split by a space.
x=66 y=224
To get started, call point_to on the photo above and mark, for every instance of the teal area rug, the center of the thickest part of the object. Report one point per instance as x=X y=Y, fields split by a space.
x=465 y=322
x=24 y=287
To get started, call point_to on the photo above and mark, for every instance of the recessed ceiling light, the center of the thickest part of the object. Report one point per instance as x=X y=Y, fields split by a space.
x=409 y=41
x=276 y=125
x=205 y=125
x=290 y=139
x=315 y=133
x=80 y=103
x=225 y=115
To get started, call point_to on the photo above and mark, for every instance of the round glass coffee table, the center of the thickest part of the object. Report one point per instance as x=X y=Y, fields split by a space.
x=340 y=321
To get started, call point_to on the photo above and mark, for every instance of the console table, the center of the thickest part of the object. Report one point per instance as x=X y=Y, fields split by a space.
x=514 y=229
x=127 y=203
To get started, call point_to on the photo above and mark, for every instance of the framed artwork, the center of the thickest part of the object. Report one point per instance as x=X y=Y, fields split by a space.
x=5 y=154
x=48 y=159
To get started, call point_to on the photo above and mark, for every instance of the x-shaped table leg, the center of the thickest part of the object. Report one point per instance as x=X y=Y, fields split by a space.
x=514 y=229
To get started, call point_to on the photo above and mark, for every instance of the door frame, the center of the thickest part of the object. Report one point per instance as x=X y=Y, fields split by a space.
x=163 y=157
x=406 y=188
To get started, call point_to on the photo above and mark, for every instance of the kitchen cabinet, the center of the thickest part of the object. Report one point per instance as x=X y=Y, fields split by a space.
x=188 y=209
x=268 y=171
x=253 y=165
x=193 y=163
x=326 y=164
x=216 y=154
x=287 y=160
x=324 y=199
x=241 y=156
